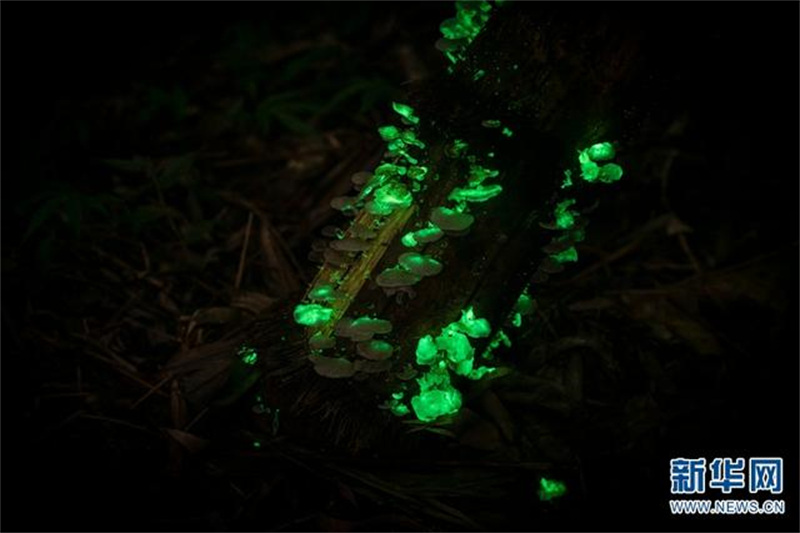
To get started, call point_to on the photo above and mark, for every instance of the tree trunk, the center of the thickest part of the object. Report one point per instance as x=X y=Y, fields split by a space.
x=558 y=79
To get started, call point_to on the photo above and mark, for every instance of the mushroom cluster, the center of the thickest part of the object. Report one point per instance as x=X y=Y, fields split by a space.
x=460 y=31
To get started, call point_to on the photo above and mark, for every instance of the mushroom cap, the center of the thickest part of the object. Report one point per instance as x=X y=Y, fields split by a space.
x=360 y=178
x=319 y=245
x=332 y=367
x=373 y=325
x=373 y=367
x=330 y=231
x=557 y=245
x=362 y=328
x=450 y=220
x=419 y=264
x=344 y=203
x=551 y=266
x=610 y=173
x=450 y=45
x=374 y=350
x=377 y=209
x=336 y=257
x=473 y=326
x=601 y=152
x=349 y=244
x=312 y=314
x=323 y=292
x=396 y=277
x=363 y=232
x=318 y=341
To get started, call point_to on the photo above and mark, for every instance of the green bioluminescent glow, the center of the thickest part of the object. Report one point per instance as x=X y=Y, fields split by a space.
x=550 y=489
x=499 y=338
x=248 y=355
x=478 y=75
x=473 y=326
x=422 y=236
x=477 y=174
x=568 y=255
x=390 y=197
x=427 y=353
x=516 y=320
x=405 y=111
x=481 y=193
x=312 y=314
x=451 y=350
x=610 y=173
x=565 y=218
x=430 y=405
x=492 y=123
x=567 y=179
x=419 y=264
x=470 y=18
x=396 y=406
x=591 y=171
x=601 y=152
x=417 y=173
x=507 y=132
x=458 y=147
x=389 y=133
x=323 y=293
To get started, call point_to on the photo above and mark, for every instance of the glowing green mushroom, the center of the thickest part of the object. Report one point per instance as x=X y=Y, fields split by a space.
x=610 y=173
x=405 y=111
x=481 y=193
x=388 y=133
x=422 y=236
x=427 y=353
x=551 y=489
x=248 y=355
x=390 y=197
x=601 y=152
x=473 y=326
x=312 y=314
x=564 y=217
x=428 y=406
x=568 y=255
x=420 y=264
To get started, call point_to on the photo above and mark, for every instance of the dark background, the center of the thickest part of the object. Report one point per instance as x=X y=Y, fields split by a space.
x=87 y=82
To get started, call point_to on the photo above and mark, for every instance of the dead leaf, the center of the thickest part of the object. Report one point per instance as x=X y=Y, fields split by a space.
x=192 y=443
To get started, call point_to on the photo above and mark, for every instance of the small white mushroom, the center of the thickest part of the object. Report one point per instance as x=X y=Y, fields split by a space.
x=556 y=246
x=419 y=264
x=450 y=220
x=374 y=350
x=319 y=245
x=360 y=178
x=396 y=277
x=349 y=244
x=551 y=266
x=332 y=367
x=330 y=231
x=336 y=258
x=363 y=328
x=450 y=45
x=363 y=232
x=315 y=257
x=373 y=367
x=318 y=341
x=344 y=203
